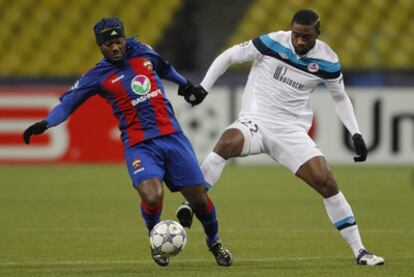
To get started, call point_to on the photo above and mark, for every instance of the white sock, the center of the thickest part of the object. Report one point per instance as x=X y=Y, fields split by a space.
x=212 y=167
x=340 y=214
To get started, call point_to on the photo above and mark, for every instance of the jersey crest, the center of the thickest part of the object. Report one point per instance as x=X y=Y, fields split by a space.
x=141 y=84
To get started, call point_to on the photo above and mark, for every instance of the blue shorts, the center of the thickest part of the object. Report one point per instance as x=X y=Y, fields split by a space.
x=170 y=158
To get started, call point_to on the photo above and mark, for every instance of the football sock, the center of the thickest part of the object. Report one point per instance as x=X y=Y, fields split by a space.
x=212 y=167
x=150 y=214
x=340 y=214
x=208 y=219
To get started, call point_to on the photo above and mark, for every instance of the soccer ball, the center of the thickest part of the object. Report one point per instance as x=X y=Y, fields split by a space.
x=168 y=238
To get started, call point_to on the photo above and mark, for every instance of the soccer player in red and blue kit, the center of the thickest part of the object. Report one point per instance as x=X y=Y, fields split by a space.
x=156 y=149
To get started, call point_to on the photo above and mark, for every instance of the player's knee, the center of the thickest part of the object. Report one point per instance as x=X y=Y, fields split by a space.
x=198 y=203
x=229 y=146
x=199 y=206
x=325 y=184
x=151 y=192
x=225 y=146
x=152 y=198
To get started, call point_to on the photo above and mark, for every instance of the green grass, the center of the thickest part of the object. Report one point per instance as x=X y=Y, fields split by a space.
x=85 y=221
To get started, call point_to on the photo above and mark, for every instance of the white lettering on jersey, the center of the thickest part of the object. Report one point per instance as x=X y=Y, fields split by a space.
x=146 y=97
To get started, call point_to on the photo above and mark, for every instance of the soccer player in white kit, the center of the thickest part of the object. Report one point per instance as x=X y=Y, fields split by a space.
x=276 y=116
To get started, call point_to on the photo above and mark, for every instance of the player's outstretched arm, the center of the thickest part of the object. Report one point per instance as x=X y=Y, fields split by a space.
x=191 y=94
x=70 y=102
x=237 y=54
x=346 y=114
x=56 y=116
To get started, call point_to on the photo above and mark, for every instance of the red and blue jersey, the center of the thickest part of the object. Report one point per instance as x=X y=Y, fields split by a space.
x=134 y=90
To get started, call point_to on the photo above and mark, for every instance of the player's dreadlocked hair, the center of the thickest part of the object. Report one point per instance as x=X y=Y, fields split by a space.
x=307 y=17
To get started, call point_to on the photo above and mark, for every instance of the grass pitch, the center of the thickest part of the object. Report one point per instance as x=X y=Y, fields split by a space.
x=84 y=220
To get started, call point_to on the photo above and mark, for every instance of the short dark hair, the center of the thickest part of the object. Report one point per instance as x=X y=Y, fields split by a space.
x=307 y=17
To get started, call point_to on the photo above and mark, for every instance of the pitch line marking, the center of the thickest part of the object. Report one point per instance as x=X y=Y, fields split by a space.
x=228 y=230
x=85 y=262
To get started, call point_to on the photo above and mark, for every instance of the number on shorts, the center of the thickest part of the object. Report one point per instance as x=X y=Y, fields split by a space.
x=253 y=128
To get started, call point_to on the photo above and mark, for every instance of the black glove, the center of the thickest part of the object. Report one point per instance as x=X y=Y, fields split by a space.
x=35 y=129
x=193 y=95
x=360 y=148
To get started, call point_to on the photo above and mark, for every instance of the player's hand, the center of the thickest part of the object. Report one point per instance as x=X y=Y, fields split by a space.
x=193 y=95
x=360 y=148
x=35 y=129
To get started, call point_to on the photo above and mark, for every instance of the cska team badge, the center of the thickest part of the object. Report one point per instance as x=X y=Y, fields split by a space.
x=136 y=163
x=148 y=64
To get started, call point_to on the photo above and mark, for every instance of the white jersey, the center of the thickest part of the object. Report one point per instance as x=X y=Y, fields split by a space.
x=280 y=82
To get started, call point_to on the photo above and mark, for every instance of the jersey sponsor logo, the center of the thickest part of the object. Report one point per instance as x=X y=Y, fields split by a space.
x=313 y=67
x=146 y=97
x=148 y=65
x=280 y=75
x=141 y=84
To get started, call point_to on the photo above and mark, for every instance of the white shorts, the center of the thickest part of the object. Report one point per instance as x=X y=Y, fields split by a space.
x=288 y=145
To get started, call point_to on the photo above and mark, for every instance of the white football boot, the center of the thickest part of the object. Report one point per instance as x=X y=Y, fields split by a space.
x=367 y=258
